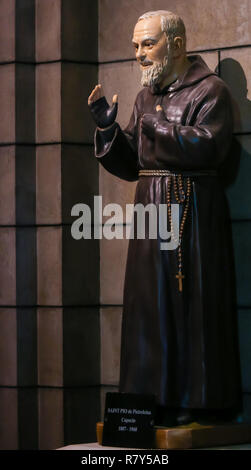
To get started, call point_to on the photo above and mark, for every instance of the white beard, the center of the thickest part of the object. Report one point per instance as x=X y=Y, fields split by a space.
x=156 y=72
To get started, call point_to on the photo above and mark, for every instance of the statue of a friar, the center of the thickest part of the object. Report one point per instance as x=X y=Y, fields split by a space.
x=179 y=329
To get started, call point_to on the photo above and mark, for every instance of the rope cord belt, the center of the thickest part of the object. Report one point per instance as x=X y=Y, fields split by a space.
x=183 y=173
x=182 y=196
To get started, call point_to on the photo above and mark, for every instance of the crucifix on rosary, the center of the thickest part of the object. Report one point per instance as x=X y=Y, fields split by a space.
x=180 y=276
x=183 y=198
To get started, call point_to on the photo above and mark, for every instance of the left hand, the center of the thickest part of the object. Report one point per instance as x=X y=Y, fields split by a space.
x=149 y=122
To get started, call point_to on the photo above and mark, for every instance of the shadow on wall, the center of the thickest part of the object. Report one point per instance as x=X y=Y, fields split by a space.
x=233 y=74
x=235 y=174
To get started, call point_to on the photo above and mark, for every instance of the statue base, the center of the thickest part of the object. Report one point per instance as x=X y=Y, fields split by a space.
x=195 y=436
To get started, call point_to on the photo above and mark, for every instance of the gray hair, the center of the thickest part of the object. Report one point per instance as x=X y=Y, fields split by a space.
x=171 y=24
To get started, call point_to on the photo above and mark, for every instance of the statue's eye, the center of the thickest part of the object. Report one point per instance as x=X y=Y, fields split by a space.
x=149 y=44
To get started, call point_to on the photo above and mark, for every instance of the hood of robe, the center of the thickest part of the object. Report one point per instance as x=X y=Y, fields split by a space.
x=197 y=71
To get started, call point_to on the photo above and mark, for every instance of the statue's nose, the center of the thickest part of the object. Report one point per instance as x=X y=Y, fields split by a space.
x=140 y=54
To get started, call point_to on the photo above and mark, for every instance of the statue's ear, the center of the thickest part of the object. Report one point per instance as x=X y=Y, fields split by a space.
x=178 y=44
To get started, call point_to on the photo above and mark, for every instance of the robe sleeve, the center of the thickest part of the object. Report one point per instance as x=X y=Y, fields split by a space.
x=116 y=150
x=204 y=144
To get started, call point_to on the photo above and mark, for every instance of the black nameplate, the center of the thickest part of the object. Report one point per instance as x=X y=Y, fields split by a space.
x=129 y=420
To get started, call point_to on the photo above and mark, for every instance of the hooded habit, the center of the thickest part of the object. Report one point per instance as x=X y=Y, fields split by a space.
x=181 y=346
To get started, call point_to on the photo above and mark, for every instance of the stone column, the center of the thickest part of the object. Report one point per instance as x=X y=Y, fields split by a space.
x=49 y=283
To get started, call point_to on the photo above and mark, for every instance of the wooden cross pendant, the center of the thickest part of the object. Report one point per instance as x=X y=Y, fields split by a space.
x=180 y=276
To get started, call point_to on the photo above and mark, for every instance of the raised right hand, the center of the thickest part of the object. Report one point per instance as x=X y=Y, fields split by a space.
x=96 y=93
x=103 y=115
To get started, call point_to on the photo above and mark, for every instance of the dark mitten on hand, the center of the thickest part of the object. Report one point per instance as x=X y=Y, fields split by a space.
x=103 y=114
x=149 y=123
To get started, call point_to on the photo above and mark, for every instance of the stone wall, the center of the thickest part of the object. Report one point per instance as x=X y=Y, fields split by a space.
x=49 y=283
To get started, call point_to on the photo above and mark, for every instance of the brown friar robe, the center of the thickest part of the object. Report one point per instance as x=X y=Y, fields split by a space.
x=180 y=346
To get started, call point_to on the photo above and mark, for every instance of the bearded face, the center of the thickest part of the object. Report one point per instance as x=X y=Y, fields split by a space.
x=153 y=50
x=154 y=73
